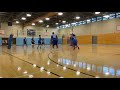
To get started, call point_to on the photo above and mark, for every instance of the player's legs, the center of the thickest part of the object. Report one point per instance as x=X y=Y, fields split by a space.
x=56 y=43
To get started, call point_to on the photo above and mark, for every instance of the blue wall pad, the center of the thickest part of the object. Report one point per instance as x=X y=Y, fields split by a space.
x=60 y=41
x=19 y=41
x=47 y=41
x=0 y=41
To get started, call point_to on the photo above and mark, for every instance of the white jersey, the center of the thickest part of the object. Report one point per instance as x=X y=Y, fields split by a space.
x=54 y=36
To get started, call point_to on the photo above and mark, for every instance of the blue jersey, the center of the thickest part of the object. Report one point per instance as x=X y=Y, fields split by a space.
x=39 y=41
x=54 y=37
x=42 y=39
x=74 y=39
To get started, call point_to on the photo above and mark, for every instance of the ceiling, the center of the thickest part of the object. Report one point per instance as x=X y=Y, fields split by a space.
x=54 y=18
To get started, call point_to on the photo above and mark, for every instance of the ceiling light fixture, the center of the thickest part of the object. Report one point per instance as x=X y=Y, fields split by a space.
x=47 y=26
x=97 y=12
x=106 y=16
x=23 y=18
x=60 y=13
x=17 y=22
x=56 y=23
x=77 y=17
x=40 y=21
x=33 y=24
x=47 y=18
x=28 y=15
x=63 y=21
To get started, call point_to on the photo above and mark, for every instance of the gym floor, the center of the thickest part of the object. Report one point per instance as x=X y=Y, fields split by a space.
x=91 y=61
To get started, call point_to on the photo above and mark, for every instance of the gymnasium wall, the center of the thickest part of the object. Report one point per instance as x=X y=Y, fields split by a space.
x=87 y=39
x=20 y=31
x=10 y=29
x=19 y=41
x=41 y=31
x=0 y=41
x=101 y=27
x=105 y=30
x=111 y=38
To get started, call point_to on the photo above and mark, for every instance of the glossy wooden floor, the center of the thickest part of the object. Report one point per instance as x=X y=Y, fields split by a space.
x=91 y=61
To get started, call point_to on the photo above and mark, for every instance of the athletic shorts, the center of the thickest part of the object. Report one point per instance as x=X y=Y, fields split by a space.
x=39 y=43
x=55 y=42
x=25 y=43
x=33 y=43
x=43 y=43
x=75 y=43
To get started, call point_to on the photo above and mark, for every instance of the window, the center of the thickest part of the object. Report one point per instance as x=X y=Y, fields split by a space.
x=60 y=26
x=81 y=22
x=73 y=24
x=112 y=16
x=93 y=19
x=63 y=26
x=99 y=18
x=89 y=20
x=105 y=18
x=84 y=22
x=117 y=15
x=77 y=23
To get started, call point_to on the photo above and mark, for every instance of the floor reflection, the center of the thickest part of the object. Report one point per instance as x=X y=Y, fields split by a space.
x=91 y=67
x=94 y=48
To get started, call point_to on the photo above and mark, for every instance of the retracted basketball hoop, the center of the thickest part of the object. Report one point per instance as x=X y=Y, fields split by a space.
x=2 y=32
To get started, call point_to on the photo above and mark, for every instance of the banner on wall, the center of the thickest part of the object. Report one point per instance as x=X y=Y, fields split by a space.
x=31 y=32
x=117 y=29
x=2 y=32
x=46 y=33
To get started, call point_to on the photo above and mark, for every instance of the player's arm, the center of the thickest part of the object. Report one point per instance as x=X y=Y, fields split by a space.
x=57 y=37
x=51 y=38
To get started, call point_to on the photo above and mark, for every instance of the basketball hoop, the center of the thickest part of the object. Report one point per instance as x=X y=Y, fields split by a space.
x=2 y=32
x=46 y=34
x=117 y=31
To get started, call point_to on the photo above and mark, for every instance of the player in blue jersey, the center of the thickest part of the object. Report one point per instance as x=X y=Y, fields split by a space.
x=42 y=42
x=74 y=41
x=33 y=42
x=39 y=42
x=10 y=39
x=54 y=40
x=25 y=41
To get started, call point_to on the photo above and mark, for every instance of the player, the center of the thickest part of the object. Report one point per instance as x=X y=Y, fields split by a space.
x=39 y=42
x=71 y=44
x=54 y=40
x=33 y=42
x=74 y=41
x=25 y=41
x=50 y=42
x=10 y=39
x=42 y=41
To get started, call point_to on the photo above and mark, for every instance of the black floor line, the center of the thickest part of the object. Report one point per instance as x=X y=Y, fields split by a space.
x=68 y=67
x=30 y=63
